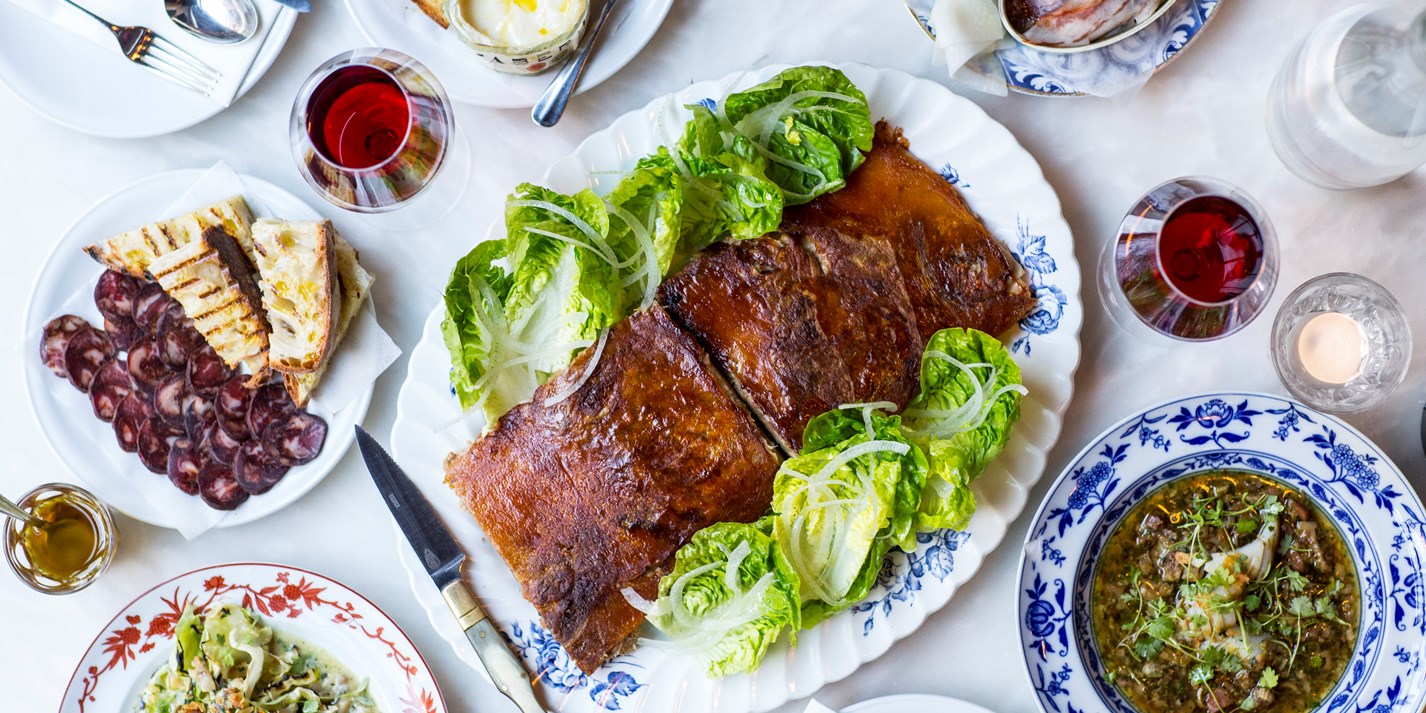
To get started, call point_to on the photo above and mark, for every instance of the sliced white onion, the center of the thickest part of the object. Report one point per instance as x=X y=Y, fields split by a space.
x=649 y=271
x=589 y=368
x=637 y=600
x=866 y=410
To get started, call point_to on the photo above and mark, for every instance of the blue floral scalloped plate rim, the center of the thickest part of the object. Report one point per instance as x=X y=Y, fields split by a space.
x=1344 y=473
x=1123 y=64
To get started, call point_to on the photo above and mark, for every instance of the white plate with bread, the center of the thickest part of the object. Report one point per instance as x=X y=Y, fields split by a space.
x=407 y=25
x=267 y=300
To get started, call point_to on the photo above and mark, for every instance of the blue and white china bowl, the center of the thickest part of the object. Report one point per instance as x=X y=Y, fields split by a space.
x=1110 y=70
x=1346 y=476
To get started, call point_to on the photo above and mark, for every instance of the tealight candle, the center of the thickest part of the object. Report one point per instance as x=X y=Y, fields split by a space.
x=1331 y=346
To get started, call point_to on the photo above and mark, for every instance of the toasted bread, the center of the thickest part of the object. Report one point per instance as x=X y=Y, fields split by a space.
x=353 y=285
x=211 y=279
x=434 y=10
x=132 y=252
x=297 y=274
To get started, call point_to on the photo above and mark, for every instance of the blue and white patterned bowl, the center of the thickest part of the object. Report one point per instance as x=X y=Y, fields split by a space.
x=1345 y=475
x=1120 y=67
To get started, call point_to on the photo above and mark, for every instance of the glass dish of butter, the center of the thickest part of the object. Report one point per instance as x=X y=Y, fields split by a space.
x=519 y=36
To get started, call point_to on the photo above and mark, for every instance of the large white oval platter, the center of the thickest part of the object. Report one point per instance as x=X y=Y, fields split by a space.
x=1005 y=186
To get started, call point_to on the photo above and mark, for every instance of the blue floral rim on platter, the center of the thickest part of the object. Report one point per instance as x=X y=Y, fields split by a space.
x=1109 y=70
x=1365 y=496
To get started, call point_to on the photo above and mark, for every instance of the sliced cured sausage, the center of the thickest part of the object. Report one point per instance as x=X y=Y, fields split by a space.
x=110 y=387
x=206 y=370
x=222 y=447
x=132 y=413
x=146 y=366
x=123 y=332
x=295 y=440
x=114 y=295
x=219 y=489
x=177 y=338
x=185 y=460
x=255 y=469
x=199 y=415
x=155 y=439
x=168 y=399
x=233 y=397
x=149 y=304
x=269 y=403
x=85 y=354
x=56 y=338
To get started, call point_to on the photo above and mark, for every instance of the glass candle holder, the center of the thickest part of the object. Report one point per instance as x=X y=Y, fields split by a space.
x=106 y=539
x=1196 y=259
x=1341 y=343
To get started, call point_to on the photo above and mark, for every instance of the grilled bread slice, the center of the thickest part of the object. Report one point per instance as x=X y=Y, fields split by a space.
x=435 y=11
x=353 y=285
x=297 y=274
x=211 y=278
x=132 y=252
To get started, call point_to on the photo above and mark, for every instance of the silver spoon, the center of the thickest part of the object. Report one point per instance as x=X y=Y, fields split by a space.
x=10 y=509
x=225 y=22
x=550 y=107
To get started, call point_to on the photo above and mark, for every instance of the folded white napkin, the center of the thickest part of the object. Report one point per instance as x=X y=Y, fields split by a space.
x=967 y=32
x=365 y=352
x=232 y=61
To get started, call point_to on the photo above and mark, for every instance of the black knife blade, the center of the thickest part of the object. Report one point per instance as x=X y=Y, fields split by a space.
x=437 y=549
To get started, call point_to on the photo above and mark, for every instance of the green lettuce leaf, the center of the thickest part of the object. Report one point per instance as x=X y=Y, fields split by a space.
x=730 y=595
x=969 y=399
x=834 y=428
x=839 y=508
x=729 y=197
x=645 y=211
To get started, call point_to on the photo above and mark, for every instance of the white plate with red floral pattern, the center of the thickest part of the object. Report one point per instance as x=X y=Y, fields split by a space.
x=301 y=604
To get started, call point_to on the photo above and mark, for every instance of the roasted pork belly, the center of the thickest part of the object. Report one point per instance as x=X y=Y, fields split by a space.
x=955 y=272
x=586 y=497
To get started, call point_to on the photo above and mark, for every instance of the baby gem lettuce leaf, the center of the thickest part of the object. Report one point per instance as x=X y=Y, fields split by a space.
x=645 y=211
x=730 y=595
x=838 y=508
x=726 y=197
x=969 y=399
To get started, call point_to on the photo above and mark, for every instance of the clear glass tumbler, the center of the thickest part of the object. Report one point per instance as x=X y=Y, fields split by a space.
x=1196 y=259
x=1348 y=109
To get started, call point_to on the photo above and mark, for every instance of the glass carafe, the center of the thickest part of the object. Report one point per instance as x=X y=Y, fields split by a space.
x=1348 y=109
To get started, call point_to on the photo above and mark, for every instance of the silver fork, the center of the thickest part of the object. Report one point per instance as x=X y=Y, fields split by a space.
x=147 y=49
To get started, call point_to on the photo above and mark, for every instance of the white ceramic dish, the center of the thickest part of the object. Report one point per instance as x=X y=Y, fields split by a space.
x=1369 y=500
x=397 y=24
x=65 y=415
x=301 y=604
x=1004 y=185
x=915 y=703
x=78 y=85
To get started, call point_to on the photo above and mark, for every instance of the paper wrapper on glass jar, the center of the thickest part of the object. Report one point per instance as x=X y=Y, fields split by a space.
x=517 y=60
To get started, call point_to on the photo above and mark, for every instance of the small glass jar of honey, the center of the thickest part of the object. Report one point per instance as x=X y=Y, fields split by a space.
x=71 y=550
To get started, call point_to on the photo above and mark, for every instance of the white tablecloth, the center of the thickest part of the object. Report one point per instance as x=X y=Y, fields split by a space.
x=1202 y=115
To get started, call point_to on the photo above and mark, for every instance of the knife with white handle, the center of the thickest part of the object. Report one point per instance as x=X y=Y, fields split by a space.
x=442 y=557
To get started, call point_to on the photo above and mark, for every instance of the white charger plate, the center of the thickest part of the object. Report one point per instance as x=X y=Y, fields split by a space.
x=1004 y=185
x=399 y=25
x=915 y=703
x=83 y=87
x=68 y=421
x=305 y=605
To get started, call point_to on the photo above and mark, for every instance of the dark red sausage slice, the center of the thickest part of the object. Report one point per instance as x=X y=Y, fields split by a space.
x=85 y=355
x=56 y=338
x=114 y=295
x=133 y=412
x=177 y=338
x=221 y=446
x=295 y=440
x=155 y=439
x=168 y=399
x=149 y=304
x=269 y=403
x=145 y=365
x=185 y=460
x=233 y=397
x=110 y=387
x=255 y=470
x=199 y=415
x=206 y=370
x=124 y=332
x=219 y=489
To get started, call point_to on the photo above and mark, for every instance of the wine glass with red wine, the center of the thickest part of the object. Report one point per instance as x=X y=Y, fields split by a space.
x=372 y=130
x=1196 y=259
